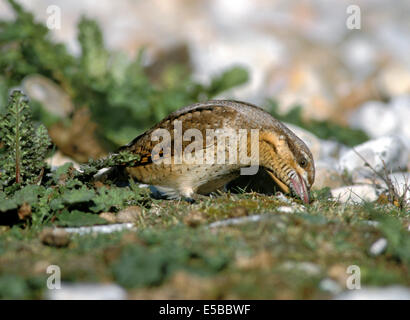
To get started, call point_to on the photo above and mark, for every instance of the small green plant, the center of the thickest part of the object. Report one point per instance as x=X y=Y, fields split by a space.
x=115 y=159
x=25 y=187
x=25 y=147
x=123 y=97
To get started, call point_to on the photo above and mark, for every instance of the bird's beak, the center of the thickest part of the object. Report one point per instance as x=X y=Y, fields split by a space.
x=299 y=186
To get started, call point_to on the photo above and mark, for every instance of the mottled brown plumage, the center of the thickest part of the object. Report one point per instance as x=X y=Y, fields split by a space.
x=281 y=153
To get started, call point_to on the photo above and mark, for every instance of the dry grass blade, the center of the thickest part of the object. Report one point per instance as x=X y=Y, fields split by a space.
x=399 y=200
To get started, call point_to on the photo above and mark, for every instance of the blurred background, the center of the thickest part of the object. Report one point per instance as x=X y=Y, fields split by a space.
x=112 y=69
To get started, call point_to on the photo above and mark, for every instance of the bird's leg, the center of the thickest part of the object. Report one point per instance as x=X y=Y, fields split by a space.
x=190 y=200
x=195 y=197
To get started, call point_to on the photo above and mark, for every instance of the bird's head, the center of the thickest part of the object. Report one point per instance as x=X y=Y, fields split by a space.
x=288 y=161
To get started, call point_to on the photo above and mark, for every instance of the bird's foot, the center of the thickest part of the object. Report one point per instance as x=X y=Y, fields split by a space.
x=193 y=198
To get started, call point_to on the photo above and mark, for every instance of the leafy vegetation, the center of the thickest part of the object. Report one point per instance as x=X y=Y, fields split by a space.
x=31 y=193
x=25 y=147
x=106 y=83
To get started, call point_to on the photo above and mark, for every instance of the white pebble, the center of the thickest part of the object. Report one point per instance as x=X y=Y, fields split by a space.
x=378 y=247
x=330 y=285
x=101 y=229
x=355 y=194
x=388 y=151
x=87 y=291
x=384 y=293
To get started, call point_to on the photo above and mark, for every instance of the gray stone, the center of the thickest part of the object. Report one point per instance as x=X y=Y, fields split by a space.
x=49 y=94
x=327 y=176
x=285 y=209
x=238 y=221
x=378 y=119
x=368 y=118
x=394 y=80
x=330 y=149
x=310 y=90
x=360 y=56
x=389 y=152
x=375 y=293
x=378 y=247
x=330 y=285
x=87 y=291
x=355 y=194
x=101 y=229
x=307 y=267
x=281 y=197
x=59 y=159
x=366 y=176
x=252 y=50
x=400 y=106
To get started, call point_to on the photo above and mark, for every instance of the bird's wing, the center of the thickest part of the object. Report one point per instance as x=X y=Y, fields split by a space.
x=199 y=116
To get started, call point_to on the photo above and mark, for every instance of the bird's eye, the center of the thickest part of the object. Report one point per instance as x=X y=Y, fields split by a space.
x=303 y=163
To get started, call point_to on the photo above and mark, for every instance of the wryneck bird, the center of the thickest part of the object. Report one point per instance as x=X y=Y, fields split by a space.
x=278 y=151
